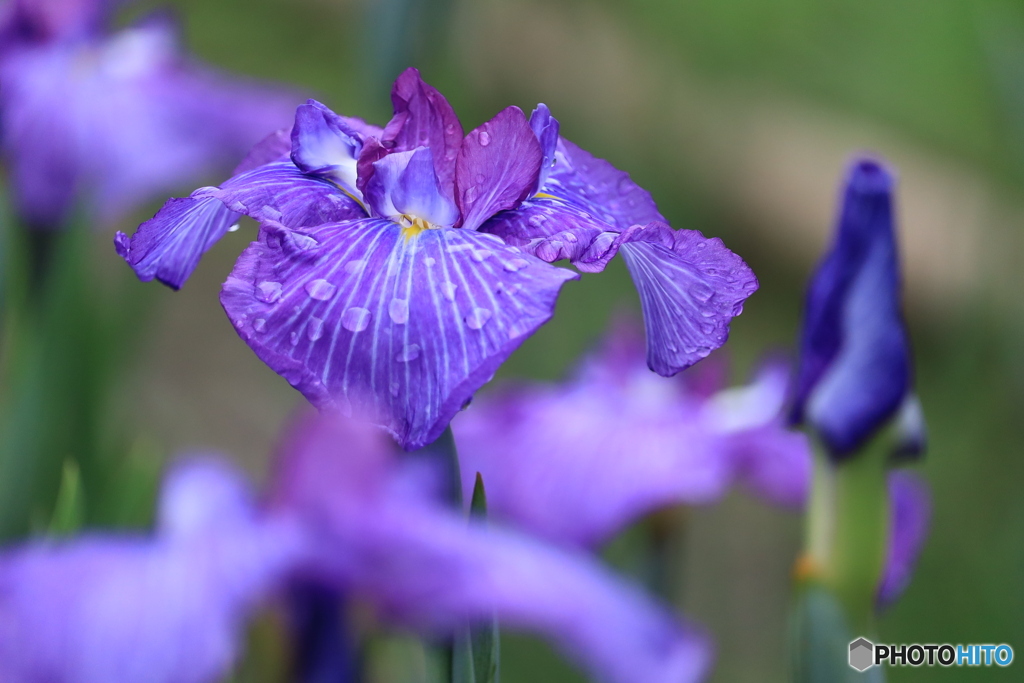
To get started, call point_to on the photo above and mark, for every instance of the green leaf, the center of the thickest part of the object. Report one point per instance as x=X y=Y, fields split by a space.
x=821 y=640
x=70 y=508
x=478 y=504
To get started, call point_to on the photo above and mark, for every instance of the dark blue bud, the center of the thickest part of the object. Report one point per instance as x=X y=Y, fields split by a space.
x=854 y=353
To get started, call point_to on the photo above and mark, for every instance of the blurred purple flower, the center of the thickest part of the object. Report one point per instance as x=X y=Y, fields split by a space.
x=855 y=368
x=105 y=121
x=910 y=513
x=165 y=609
x=344 y=515
x=579 y=461
x=403 y=265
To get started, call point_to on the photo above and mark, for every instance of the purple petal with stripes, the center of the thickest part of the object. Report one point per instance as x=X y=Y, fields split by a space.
x=497 y=168
x=423 y=118
x=402 y=328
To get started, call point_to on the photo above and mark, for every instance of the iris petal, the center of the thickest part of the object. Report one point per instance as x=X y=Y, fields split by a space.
x=402 y=328
x=323 y=145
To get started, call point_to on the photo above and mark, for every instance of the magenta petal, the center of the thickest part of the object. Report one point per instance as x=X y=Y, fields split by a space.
x=423 y=118
x=498 y=167
x=403 y=329
x=910 y=511
x=690 y=289
x=422 y=566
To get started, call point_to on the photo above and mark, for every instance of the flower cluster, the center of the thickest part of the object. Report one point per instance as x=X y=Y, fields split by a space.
x=345 y=513
x=402 y=265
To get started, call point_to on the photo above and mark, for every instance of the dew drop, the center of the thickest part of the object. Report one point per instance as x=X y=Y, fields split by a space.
x=355 y=267
x=450 y=128
x=485 y=138
x=314 y=328
x=320 y=289
x=481 y=255
x=480 y=179
x=429 y=261
x=701 y=292
x=470 y=194
x=516 y=264
x=269 y=292
x=355 y=319
x=398 y=310
x=569 y=237
x=450 y=154
x=259 y=324
x=478 y=318
x=234 y=228
x=410 y=352
x=448 y=290
x=707 y=328
x=538 y=220
x=295 y=338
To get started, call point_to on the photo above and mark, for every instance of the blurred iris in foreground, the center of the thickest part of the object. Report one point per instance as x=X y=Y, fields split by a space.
x=402 y=266
x=104 y=120
x=345 y=514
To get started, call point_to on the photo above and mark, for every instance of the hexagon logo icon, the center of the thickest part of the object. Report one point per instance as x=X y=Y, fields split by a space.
x=862 y=653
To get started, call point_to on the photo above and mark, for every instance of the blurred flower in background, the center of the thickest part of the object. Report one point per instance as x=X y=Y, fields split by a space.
x=104 y=119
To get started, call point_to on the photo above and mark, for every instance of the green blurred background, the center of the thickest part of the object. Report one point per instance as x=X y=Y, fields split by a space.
x=738 y=116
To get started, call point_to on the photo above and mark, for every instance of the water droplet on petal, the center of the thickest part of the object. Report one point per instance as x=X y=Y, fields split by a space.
x=477 y=318
x=355 y=319
x=269 y=292
x=450 y=128
x=314 y=328
x=450 y=154
x=481 y=255
x=470 y=194
x=538 y=220
x=429 y=261
x=701 y=292
x=569 y=237
x=259 y=324
x=398 y=309
x=234 y=228
x=295 y=338
x=707 y=328
x=448 y=290
x=320 y=289
x=480 y=179
x=516 y=265
x=485 y=138
x=410 y=352
x=355 y=267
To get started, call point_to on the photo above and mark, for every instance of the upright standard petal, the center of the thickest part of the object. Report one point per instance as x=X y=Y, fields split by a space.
x=545 y=127
x=323 y=145
x=422 y=565
x=168 y=609
x=402 y=327
x=404 y=187
x=854 y=353
x=579 y=461
x=423 y=118
x=498 y=167
x=909 y=519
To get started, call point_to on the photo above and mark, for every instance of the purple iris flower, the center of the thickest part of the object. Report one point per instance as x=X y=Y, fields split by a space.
x=579 y=461
x=855 y=367
x=168 y=609
x=345 y=515
x=403 y=265
x=103 y=121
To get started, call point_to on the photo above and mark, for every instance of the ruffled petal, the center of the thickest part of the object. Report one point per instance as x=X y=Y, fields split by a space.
x=402 y=327
x=423 y=118
x=169 y=245
x=855 y=355
x=422 y=566
x=168 y=609
x=498 y=167
x=690 y=289
x=910 y=510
